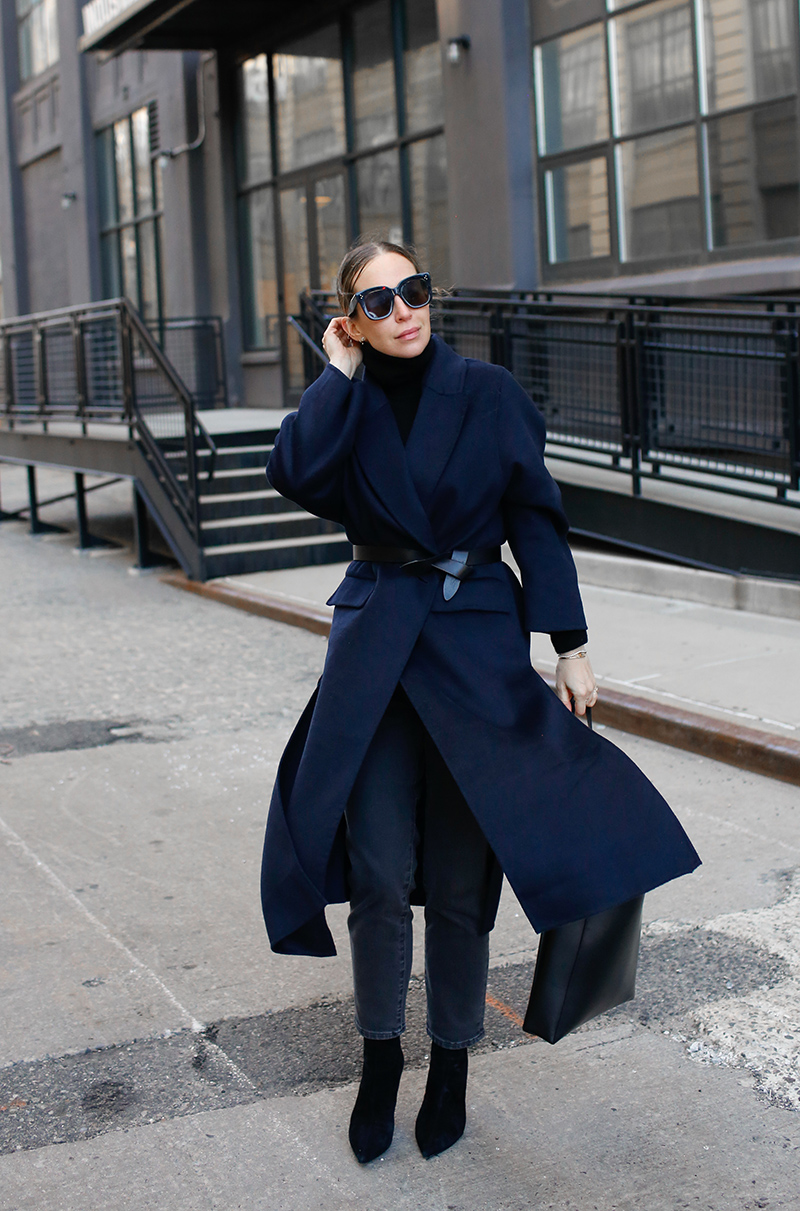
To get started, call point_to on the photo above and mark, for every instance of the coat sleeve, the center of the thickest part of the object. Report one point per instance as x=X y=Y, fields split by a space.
x=307 y=463
x=536 y=525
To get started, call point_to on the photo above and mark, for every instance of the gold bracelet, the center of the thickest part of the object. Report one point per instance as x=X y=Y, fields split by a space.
x=574 y=656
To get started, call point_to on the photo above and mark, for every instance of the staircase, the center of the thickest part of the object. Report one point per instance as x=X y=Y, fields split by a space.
x=245 y=525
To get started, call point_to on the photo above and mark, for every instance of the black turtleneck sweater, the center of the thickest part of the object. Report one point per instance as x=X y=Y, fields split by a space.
x=400 y=378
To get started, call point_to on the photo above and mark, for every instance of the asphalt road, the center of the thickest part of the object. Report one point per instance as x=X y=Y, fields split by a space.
x=157 y=1055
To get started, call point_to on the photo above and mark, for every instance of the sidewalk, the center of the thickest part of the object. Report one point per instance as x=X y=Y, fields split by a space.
x=726 y=664
x=156 y=1056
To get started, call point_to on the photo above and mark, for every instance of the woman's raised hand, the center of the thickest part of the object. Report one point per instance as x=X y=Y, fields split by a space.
x=343 y=351
x=575 y=681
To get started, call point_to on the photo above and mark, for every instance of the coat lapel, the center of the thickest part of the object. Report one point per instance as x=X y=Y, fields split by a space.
x=441 y=412
x=382 y=457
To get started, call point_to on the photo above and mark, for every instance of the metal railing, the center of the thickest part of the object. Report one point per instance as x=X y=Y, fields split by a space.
x=101 y=364
x=700 y=393
x=195 y=346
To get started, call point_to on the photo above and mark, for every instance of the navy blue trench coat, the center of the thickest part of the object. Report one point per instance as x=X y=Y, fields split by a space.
x=574 y=824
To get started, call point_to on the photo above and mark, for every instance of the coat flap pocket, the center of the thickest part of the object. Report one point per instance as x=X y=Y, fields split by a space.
x=354 y=591
x=476 y=593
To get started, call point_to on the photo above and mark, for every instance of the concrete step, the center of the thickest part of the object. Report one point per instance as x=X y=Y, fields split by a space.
x=241 y=558
x=256 y=437
x=243 y=504
x=238 y=458
x=264 y=528
x=227 y=482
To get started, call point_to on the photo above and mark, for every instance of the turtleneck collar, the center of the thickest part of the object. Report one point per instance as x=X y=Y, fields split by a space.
x=390 y=371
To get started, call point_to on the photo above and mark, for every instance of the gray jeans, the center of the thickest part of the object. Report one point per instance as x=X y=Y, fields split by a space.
x=406 y=807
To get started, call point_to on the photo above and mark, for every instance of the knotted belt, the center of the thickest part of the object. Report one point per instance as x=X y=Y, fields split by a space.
x=455 y=567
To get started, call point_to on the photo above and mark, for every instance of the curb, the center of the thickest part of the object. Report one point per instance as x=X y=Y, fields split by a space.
x=777 y=598
x=744 y=747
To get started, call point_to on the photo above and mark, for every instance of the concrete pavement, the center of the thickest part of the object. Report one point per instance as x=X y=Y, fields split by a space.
x=157 y=1055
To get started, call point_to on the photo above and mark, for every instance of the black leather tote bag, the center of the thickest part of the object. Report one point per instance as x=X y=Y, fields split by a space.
x=584 y=968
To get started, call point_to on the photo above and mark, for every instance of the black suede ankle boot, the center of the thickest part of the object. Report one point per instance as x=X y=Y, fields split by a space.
x=443 y=1114
x=372 y=1120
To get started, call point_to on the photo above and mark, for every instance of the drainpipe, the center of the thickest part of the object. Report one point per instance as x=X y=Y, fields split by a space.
x=171 y=153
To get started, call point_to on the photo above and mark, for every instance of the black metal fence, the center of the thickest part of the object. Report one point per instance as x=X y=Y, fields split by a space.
x=702 y=393
x=100 y=364
x=196 y=348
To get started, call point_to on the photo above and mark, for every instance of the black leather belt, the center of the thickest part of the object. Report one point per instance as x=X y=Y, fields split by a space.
x=456 y=566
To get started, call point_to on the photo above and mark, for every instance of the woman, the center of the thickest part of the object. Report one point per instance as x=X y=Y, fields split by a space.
x=432 y=758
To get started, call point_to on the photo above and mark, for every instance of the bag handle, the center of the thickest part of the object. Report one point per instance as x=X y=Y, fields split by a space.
x=588 y=715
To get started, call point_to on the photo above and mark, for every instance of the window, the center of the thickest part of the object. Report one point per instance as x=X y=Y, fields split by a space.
x=749 y=51
x=660 y=195
x=130 y=212
x=753 y=171
x=309 y=98
x=655 y=67
x=37 y=29
x=577 y=211
x=701 y=153
x=353 y=113
x=571 y=90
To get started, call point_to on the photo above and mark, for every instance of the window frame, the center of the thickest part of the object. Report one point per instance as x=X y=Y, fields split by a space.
x=344 y=163
x=114 y=231
x=709 y=253
x=26 y=23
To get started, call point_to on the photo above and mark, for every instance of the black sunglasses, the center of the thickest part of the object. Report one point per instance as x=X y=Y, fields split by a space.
x=377 y=303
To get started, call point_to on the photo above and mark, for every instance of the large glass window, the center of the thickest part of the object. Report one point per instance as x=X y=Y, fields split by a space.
x=379 y=199
x=373 y=75
x=257 y=230
x=355 y=113
x=422 y=66
x=130 y=213
x=654 y=66
x=749 y=51
x=37 y=31
x=572 y=94
x=256 y=154
x=576 y=198
x=331 y=215
x=429 y=206
x=753 y=171
x=660 y=187
x=309 y=97
x=701 y=152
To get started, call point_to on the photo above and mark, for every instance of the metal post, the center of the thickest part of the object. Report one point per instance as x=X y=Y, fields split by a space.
x=38 y=526
x=86 y=540
x=40 y=373
x=793 y=402
x=8 y=377
x=3 y=515
x=84 y=537
x=634 y=402
x=79 y=353
x=33 y=504
x=126 y=355
x=145 y=556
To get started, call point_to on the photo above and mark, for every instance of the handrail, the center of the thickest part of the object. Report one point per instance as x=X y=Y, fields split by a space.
x=212 y=447
x=301 y=332
x=103 y=363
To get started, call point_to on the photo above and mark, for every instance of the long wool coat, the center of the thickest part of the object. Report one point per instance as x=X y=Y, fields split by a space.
x=574 y=824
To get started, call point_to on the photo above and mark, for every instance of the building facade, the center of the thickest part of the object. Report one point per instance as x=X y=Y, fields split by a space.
x=210 y=159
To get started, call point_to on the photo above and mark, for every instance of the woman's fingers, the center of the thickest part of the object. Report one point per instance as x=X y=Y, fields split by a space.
x=343 y=352
x=575 y=683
